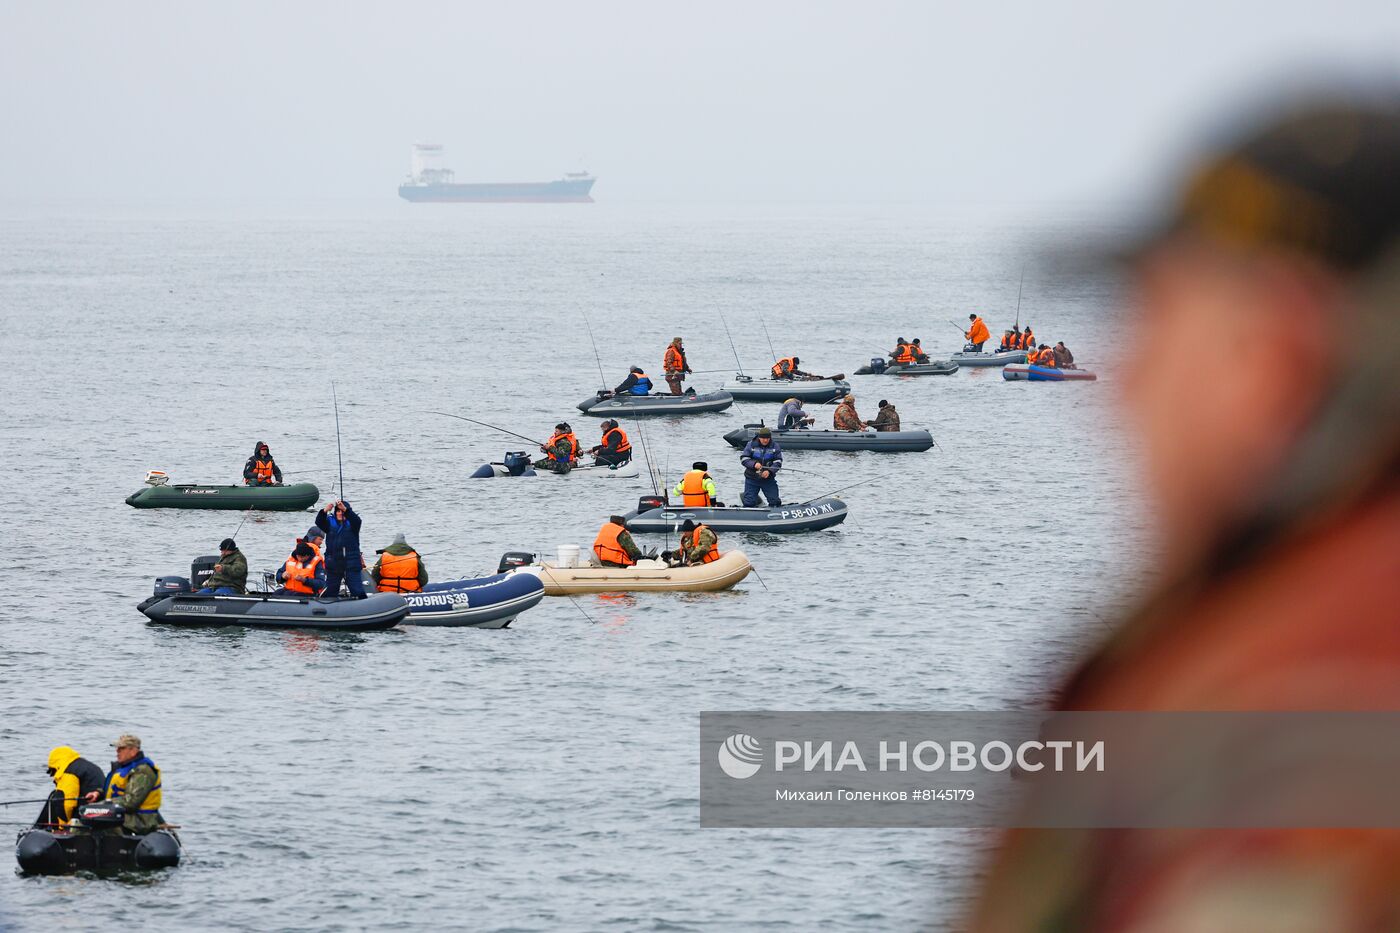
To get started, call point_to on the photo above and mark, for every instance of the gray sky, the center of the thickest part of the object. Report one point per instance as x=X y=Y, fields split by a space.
x=717 y=100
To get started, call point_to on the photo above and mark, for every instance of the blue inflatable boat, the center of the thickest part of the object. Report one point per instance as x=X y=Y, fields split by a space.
x=486 y=602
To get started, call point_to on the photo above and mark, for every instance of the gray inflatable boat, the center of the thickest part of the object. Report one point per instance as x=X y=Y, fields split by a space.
x=650 y=518
x=608 y=405
x=780 y=390
x=878 y=367
x=880 y=441
x=992 y=358
x=265 y=610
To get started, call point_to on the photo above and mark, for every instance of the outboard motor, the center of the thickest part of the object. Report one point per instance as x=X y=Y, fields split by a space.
x=647 y=503
x=103 y=813
x=877 y=364
x=516 y=462
x=201 y=569
x=157 y=850
x=157 y=478
x=512 y=560
x=171 y=586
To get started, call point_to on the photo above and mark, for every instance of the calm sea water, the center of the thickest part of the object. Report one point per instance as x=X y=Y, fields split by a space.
x=545 y=776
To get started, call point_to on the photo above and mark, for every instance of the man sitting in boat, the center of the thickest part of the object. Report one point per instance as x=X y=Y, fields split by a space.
x=561 y=450
x=74 y=777
x=916 y=350
x=261 y=469
x=134 y=783
x=887 y=419
x=636 y=383
x=304 y=573
x=793 y=416
x=1009 y=339
x=845 y=417
x=1027 y=341
x=675 y=365
x=977 y=334
x=902 y=354
x=1043 y=356
x=699 y=545
x=614 y=545
x=696 y=490
x=230 y=576
x=786 y=368
x=615 y=449
x=762 y=459
x=399 y=569
x=1063 y=358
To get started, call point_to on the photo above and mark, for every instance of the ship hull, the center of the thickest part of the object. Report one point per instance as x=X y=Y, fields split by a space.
x=543 y=192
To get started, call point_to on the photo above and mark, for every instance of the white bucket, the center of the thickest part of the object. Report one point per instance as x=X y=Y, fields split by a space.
x=568 y=555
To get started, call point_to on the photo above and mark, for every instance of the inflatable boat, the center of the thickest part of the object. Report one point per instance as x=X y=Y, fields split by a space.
x=293 y=498
x=517 y=463
x=879 y=367
x=647 y=576
x=1046 y=374
x=880 y=441
x=64 y=851
x=990 y=358
x=608 y=405
x=780 y=390
x=487 y=602
x=654 y=517
x=175 y=603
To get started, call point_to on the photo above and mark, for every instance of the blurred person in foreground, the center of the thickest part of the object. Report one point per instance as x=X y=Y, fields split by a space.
x=1272 y=456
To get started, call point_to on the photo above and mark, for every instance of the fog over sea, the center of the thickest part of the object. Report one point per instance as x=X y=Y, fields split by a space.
x=545 y=776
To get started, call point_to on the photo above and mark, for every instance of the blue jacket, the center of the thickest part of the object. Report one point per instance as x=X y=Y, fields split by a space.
x=342 y=538
x=755 y=457
x=790 y=414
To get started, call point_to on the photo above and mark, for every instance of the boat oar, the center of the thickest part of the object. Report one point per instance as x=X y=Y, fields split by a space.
x=483 y=424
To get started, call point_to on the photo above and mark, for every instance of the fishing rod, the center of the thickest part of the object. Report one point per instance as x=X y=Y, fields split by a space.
x=754 y=570
x=769 y=339
x=962 y=330
x=602 y=380
x=449 y=414
x=338 y=456
x=240 y=524
x=12 y=803
x=646 y=455
x=1018 y=296
x=731 y=345
x=842 y=489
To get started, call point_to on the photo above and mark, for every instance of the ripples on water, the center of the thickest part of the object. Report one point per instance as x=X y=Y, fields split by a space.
x=544 y=776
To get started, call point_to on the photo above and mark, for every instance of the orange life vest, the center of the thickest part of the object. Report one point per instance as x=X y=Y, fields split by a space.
x=904 y=353
x=675 y=362
x=783 y=367
x=978 y=332
x=297 y=578
x=693 y=492
x=555 y=439
x=1027 y=340
x=607 y=547
x=398 y=573
x=262 y=470
x=623 y=444
x=688 y=539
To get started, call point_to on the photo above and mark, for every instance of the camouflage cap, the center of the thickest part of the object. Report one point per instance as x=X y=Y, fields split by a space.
x=127 y=740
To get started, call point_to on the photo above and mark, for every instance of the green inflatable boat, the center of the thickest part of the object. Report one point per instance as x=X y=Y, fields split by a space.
x=292 y=498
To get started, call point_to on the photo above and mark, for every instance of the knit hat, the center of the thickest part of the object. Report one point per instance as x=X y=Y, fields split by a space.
x=399 y=538
x=764 y=432
x=688 y=525
x=227 y=545
x=313 y=532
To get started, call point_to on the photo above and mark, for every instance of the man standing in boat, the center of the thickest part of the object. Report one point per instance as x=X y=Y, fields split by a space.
x=977 y=334
x=343 y=558
x=261 y=469
x=676 y=366
x=762 y=459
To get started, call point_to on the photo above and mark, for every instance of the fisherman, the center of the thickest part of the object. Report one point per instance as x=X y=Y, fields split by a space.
x=230 y=576
x=1277 y=530
x=977 y=334
x=887 y=419
x=615 y=449
x=916 y=350
x=676 y=366
x=636 y=383
x=902 y=354
x=793 y=416
x=74 y=777
x=1027 y=339
x=845 y=417
x=303 y=573
x=786 y=368
x=561 y=450
x=399 y=569
x=261 y=469
x=1008 y=341
x=315 y=539
x=696 y=489
x=343 y=558
x=762 y=459
x=699 y=544
x=1043 y=356
x=1063 y=358
x=134 y=783
x=614 y=545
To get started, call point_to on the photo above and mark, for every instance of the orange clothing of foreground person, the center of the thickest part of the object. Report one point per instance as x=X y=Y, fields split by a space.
x=978 y=333
x=1312 y=624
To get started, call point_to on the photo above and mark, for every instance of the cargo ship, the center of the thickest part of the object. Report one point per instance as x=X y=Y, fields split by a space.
x=428 y=181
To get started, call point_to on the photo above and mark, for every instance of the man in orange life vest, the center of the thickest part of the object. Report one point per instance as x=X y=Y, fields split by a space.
x=699 y=545
x=977 y=334
x=614 y=545
x=696 y=490
x=902 y=354
x=615 y=449
x=399 y=569
x=261 y=469
x=676 y=366
x=561 y=450
x=786 y=368
x=304 y=573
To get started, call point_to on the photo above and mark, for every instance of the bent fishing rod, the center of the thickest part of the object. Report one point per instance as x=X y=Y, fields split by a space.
x=483 y=424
